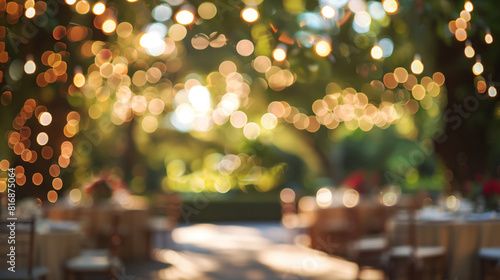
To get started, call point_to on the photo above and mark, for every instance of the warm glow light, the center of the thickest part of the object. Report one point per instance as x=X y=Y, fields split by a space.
x=184 y=17
x=42 y=138
x=109 y=26
x=99 y=8
x=461 y=34
x=70 y=2
x=478 y=68
x=350 y=198
x=324 y=197
x=287 y=195
x=30 y=12
x=488 y=38
x=390 y=198
x=322 y=48
x=377 y=52
x=492 y=91
x=390 y=6
x=37 y=179
x=52 y=196
x=468 y=6
x=79 y=80
x=328 y=11
x=82 y=7
x=269 y=121
x=452 y=203
x=417 y=67
x=279 y=54
x=30 y=67
x=251 y=130
x=45 y=118
x=250 y=14
x=469 y=51
x=75 y=195
x=207 y=10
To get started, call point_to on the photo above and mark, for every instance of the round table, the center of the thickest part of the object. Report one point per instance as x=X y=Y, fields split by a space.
x=462 y=239
x=54 y=247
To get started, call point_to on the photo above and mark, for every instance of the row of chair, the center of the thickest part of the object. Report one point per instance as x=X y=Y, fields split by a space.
x=345 y=237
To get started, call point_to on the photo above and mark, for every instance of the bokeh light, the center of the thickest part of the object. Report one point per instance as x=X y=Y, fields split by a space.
x=477 y=68
x=98 y=8
x=390 y=6
x=184 y=17
x=45 y=118
x=207 y=10
x=328 y=11
x=250 y=14
x=492 y=91
x=322 y=48
x=376 y=52
x=279 y=54
x=30 y=67
x=417 y=67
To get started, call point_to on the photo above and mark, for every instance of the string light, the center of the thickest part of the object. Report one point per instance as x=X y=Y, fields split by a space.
x=30 y=12
x=469 y=50
x=376 y=52
x=79 y=80
x=468 y=6
x=30 y=67
x=390 y=6
x=250 y=14
x=322 y=48
x=184 y=17
x=478 y=68
x=109 y=26
x=98 y=8
x=417 y=67
x=328 y=12
x=492 y=91
x=279 y=54
x=488 y=38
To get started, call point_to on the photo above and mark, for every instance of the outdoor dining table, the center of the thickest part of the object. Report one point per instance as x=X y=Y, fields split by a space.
x=96 y=221
x=57 y=242
x=461 y=235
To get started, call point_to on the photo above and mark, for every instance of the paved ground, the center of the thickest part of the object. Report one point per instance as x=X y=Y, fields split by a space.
x=250 y=251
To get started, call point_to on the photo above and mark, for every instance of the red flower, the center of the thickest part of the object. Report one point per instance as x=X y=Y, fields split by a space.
x=491 y=186
x=91 y=188
x=355 y=180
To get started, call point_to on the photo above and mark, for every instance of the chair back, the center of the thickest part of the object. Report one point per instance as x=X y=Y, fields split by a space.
x=17 y=244
x=404 y=223
x=173 y=208
x=115 y=236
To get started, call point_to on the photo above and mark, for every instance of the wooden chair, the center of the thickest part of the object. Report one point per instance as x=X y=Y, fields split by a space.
x=24 y=251
x=413 y=256
x=488 y=257
x=367 y=248
x=98 y=261
x=166 y=219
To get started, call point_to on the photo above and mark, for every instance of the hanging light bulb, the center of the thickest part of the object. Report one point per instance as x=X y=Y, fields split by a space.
x=492 y=91
x=468 y=6
x=469 y=50
x=417 y=67
x=488 y=38
x=477 y=68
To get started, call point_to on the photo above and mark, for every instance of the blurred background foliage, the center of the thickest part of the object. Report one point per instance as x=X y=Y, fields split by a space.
x=181 y=106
